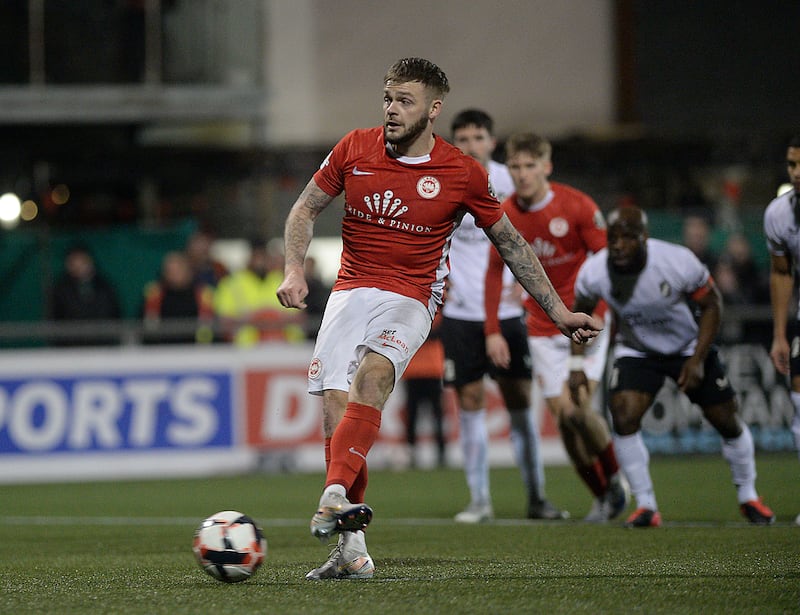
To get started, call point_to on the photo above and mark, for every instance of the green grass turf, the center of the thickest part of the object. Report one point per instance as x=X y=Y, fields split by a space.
x=125 y=547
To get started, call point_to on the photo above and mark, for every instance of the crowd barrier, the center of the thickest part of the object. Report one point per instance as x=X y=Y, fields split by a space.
x=171 y=411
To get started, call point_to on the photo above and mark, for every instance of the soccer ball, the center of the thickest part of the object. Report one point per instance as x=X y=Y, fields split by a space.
x=229 y=546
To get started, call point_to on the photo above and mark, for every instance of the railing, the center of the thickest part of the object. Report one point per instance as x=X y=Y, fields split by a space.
x=129 y=332
x=740 y=324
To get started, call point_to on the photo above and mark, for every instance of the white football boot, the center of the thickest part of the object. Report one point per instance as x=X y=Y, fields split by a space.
x=348 y=560
x=476 y=512
x=337 y=514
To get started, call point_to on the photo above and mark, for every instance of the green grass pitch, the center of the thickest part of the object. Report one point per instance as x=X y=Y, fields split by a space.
x=126 y=547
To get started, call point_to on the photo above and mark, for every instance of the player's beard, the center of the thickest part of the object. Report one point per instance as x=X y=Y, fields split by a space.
x=410 y=135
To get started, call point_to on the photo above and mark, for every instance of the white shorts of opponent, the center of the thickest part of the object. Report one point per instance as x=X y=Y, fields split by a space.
x=363 y=319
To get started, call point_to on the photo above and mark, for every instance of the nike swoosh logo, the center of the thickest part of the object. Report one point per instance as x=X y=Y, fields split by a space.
x=357 y=172
x=355 y=452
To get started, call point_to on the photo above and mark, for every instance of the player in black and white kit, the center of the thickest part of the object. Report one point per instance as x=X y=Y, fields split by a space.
x=646 y=283
x=462 y=334
x=782 y=228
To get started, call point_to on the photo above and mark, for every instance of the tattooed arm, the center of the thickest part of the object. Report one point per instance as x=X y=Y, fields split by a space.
x=297 y=236
x=525 y=265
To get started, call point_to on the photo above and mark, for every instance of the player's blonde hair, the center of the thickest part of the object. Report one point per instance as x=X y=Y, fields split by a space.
x=535 y=145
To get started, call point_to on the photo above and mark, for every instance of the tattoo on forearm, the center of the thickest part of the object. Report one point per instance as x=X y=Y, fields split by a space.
x=300 y=223
x=521 y=259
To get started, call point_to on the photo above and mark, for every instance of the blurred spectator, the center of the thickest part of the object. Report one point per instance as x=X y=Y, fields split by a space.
x=81 y=293
x=742 y=283
x=752 y=279
x=318 y=293
x=206 y=269
x=697 y=237
x=729 y=284
x=177 y=298
x=246 y=303
x=423 y=385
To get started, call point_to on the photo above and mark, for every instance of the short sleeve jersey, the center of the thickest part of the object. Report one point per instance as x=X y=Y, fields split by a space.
x=781 y=227
x=562 y=230
x=651 y=310
x=469 y=257
x=400 y=213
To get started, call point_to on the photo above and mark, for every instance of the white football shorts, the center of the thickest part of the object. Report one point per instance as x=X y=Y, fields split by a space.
x=363 y=319
x=550 y=357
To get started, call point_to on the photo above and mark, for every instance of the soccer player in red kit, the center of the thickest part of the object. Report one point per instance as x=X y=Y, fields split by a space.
x=563 y=225
x=406 y=190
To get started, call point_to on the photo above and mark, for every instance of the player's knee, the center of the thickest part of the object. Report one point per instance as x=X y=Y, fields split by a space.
x=569 y=421
x=725 y=419
x=729 y=426
x=624 y=421
x=471 y=396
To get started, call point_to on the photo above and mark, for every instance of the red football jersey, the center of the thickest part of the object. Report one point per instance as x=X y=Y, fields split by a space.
x=400 y=213
x=561 y=232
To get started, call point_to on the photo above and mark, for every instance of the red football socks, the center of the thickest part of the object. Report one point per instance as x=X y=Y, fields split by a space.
x=351 y=441
x=608 y=459
x=594 y=478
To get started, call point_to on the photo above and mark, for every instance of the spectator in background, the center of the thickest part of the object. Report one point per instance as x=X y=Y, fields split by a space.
x=742 y=283
x=246 y=303
x=206 y=269
x=81 y=293
x=751 y=279
x=424 y=387
x=173 y=301
x=730 y=286
x=697 y=237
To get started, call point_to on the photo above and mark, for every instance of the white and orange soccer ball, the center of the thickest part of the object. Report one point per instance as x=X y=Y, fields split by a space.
x=229 y=546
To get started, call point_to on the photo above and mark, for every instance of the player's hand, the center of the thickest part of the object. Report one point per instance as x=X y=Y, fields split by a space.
x=692 y=374
x=293 y=290
x=497 y=350
x=779 y=354
x=580 y=327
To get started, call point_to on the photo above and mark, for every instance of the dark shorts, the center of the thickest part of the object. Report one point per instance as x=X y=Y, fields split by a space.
x=647 y=374
x=465 y=351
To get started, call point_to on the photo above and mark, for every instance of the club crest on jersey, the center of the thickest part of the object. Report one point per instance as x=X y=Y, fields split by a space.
x=314 y=368
x=428 y=187
x=666 y=291
x=558 y=227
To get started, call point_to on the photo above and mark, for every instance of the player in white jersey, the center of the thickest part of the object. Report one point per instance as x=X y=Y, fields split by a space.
x=782 y=228
x=466 y=361
x=406 y=189
x=646 y=283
